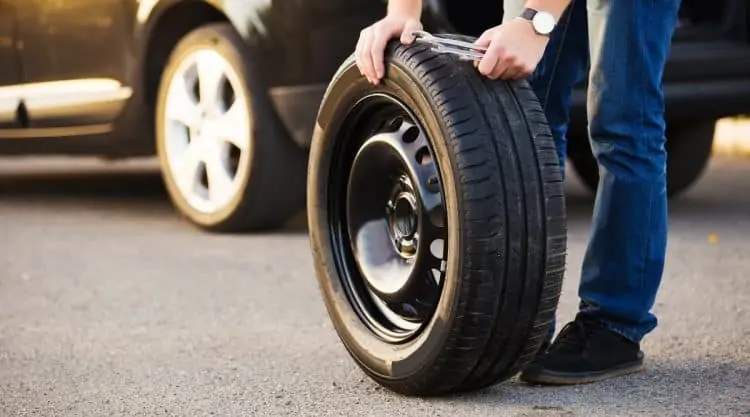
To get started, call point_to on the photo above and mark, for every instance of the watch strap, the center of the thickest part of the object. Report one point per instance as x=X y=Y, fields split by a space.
x=531 y=15
x=528 y=13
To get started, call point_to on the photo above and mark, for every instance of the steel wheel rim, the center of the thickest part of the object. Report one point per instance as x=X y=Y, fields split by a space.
x=381 y=136
x=207 y=131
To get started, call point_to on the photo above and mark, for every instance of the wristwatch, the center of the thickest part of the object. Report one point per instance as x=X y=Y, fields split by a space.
x=542 y=22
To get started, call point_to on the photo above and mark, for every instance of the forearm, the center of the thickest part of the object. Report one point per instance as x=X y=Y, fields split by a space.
x=412 y=8
x=556 y=7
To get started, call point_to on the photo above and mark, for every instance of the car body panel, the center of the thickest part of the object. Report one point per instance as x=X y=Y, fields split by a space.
x=10 y=75
x=72 y=63
x=89 y=68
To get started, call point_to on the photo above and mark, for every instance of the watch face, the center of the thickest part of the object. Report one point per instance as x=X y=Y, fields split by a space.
x=544 y=23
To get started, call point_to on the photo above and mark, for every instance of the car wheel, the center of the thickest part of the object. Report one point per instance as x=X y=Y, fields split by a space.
x=689 y=147
x=225 y=160
x=437 y=222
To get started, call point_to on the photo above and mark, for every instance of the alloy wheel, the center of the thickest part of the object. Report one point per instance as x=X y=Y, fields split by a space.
x=207 y=131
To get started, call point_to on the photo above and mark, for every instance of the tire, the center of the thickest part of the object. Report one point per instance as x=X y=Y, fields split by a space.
x=266 y=169
x=689 y=147
x=483 y=163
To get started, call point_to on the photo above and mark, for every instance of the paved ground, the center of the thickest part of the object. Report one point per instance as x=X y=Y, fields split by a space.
x=111 y=305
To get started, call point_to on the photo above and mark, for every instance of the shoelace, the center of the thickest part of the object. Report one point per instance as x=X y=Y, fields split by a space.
x=575 y=335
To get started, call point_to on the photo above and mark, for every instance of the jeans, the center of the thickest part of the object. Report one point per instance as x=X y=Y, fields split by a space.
x=624 y=45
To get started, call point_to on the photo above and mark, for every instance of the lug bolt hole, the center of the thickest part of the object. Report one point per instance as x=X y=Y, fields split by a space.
x=423 y=156
x=395 y=124
x=410 y=135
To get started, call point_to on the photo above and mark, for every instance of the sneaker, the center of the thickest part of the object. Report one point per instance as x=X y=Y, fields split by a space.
x=584 y=352
x=540 y=354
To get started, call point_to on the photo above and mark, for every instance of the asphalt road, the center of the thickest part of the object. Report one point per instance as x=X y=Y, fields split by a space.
x=112 y=305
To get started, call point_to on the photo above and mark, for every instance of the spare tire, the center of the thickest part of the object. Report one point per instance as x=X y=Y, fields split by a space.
x=437 y=222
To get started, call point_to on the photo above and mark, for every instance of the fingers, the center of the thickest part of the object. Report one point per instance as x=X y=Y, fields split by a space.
x=515 y=67
x=485 y=38
x=498 y=62
x=377 y=50
x=358 y=57
x=373 y=41
x=515 y=72
x=363 y=54
x=384 y=32
x=509 y=67
x=492 y=65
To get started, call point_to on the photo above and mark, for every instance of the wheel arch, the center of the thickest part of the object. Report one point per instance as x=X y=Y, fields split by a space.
x=167 y=24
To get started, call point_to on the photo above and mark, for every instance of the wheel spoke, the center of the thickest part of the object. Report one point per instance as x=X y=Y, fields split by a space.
x=219 y=179
x=232 y=126
x=187 y=171
x=181 y=107
x=210 y=74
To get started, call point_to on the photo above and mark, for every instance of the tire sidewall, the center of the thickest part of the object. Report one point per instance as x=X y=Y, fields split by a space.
x=206 y=37
x=388 y=361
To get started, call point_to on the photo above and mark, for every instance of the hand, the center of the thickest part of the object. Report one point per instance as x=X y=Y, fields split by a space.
x=513 y=50
x=374 y=38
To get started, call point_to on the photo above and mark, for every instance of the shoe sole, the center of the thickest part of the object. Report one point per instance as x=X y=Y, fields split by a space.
x=570 y=378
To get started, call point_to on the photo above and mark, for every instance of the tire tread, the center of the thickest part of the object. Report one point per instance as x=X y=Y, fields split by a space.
x=500 y=186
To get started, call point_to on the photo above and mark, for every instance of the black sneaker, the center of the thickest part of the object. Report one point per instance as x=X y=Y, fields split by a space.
x=584 y=352
x=540 y=354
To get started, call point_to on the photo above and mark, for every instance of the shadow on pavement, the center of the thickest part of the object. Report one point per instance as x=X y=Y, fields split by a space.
x=138 y=192
x=84 y=188
x=665 y=387
x=724 y=190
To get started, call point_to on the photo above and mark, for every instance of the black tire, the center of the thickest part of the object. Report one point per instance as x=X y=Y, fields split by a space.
x=273 y=189
x=689 y=147
x=504 y=217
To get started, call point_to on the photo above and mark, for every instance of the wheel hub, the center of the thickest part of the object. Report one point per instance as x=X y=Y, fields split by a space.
x=387 y=218
x=403 y=218
x=389 y=209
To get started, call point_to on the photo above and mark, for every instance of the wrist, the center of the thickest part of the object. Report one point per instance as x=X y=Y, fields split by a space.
x=529 y=25
x=542 y=22
x=410 y=9
x=554 y=7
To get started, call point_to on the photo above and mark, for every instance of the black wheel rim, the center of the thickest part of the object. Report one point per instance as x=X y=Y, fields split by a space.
x=387 y=218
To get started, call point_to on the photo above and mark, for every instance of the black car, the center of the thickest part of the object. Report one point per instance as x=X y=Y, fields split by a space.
x=226 y=92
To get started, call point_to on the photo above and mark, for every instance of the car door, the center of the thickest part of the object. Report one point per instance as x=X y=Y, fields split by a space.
x=73 y=61
x=9 y=71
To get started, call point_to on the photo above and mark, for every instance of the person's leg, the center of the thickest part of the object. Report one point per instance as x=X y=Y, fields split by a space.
x=563 y=65
x=623 y=263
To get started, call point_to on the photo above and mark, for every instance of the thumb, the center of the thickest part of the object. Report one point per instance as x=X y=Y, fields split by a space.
x=407 y=35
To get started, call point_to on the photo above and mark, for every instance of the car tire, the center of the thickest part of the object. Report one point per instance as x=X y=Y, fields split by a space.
x=689 y=146
x=482 y=169
x=234 y=168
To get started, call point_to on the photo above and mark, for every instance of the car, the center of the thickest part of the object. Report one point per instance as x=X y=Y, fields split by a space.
x=226 y=92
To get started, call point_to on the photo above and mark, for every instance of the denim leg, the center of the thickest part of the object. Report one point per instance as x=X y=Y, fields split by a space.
x=624 y=261
x=563 y=65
